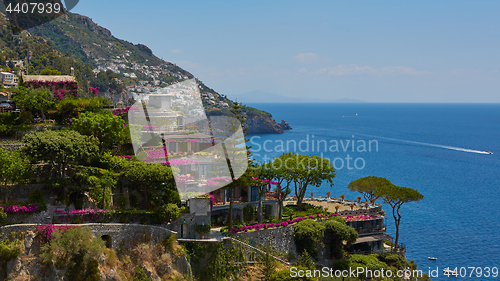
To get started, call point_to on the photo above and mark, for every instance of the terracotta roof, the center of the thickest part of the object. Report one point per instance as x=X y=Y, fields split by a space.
x=49 y=78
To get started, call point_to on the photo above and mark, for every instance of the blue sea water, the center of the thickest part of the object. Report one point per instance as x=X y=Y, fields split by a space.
x=438 y=149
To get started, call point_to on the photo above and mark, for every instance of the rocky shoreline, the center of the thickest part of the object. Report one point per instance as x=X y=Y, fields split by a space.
x=266 y=125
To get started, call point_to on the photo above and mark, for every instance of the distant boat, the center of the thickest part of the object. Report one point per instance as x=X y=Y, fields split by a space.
x=448 y=271
x=489 y=152
x=432 y=258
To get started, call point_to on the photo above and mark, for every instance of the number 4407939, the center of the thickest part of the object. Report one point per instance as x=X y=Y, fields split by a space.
x=472 y=271
x=32 y=8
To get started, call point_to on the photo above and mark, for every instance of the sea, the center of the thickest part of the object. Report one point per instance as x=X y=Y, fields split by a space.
x=441 y=150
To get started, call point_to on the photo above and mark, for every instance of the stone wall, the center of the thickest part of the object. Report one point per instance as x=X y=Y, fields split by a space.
x=21 y=192
x=280 y=239
x=118 y=235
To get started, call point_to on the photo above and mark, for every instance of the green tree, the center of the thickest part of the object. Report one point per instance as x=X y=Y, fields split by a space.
x=98 y=182
x=73 y=249
x=60 y=148
x=93 y=273
x=34 y=100
x=3 y=215
x=166 y=213
x=248 y=214
x=366 y=261
x=147 y=174
x=367 y=186
x=232 y=146
x=305 y=260
x=308 y=235
x=268 y=267
x=13 y=168
x=106 y=127
x=262 y=176
x=222 y=263
x=306 y=170
x=48 y=71
x=139 y=274
x=279 y=174
x=396 y=196
x=339 y=233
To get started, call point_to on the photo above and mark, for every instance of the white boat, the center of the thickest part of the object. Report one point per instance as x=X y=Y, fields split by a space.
x=448 y=271
x=432 y=258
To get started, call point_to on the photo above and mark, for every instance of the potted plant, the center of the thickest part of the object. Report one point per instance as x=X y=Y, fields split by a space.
x=203 y=229
x=337 y=208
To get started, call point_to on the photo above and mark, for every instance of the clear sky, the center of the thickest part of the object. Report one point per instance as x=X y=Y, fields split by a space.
x=377 y=51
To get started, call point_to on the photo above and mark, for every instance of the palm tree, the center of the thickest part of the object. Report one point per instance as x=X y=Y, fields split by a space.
x=359 y=199
x=367 y=205
x=342 y=196
x=312 y=196
x=352 y=206
x=328 y=193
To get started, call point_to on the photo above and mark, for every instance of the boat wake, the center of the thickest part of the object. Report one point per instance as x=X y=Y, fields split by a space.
x=434 y=145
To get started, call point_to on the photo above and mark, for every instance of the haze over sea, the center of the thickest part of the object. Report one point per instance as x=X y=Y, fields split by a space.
x=441 y=150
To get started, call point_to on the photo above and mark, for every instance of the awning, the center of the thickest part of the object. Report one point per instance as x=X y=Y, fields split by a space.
x=372 y=238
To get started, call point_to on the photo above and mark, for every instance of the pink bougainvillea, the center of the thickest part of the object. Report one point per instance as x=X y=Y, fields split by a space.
x=31 y=208
x=360 y=218
x=123 y=111
x=47 y=230
x=94 y=91
x=85 y=211
x=61 y=89
x=289 y=222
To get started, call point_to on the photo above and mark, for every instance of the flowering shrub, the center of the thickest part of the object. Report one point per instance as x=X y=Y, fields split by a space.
x=83 y=212
x=360 y=218
x=289 y=222
x=123 y=111
x=70 y=87
x=31 y=208
x=127 y=157
x=62 y=94
x=279 y=224
x=94 y=90
x=47 y=230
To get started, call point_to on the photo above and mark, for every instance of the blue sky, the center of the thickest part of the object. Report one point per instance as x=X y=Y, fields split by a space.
x=390 y=51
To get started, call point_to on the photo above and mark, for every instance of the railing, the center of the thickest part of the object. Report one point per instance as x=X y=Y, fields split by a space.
x=370 y=229
x=255 y=249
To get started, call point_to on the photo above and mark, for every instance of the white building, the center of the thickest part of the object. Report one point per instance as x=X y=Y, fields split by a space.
x=8 y=79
